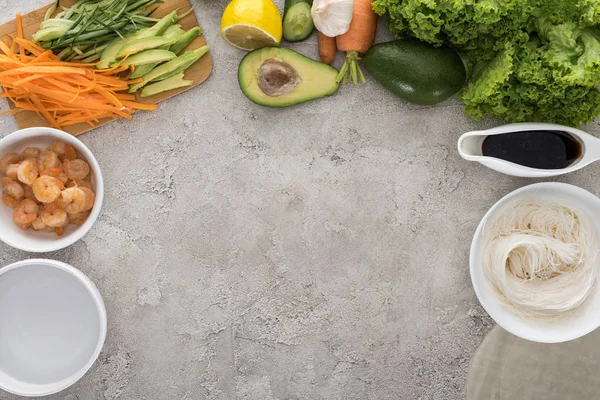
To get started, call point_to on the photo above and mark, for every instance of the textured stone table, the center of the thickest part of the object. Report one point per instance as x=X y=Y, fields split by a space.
x=315 y=252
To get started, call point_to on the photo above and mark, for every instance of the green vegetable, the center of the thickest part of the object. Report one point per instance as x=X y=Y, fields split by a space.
x=173 y=32
x=157 y=29
x=416 y=71
x=147 y=43
x=476 y=26
x=170 y=68
x=115 y=47
x=185 y=39
x=109 y=55
x=142 y=70
x=297 y=21
x=279 y=77
x=150 y=57
x=89 y=23
x=550 y=77
x=174 y=82
x=534 y=60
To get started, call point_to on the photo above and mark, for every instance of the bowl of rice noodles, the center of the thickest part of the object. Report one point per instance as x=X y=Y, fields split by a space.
x=535 y=262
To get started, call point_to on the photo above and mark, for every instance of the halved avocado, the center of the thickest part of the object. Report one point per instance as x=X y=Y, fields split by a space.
x=278 y=77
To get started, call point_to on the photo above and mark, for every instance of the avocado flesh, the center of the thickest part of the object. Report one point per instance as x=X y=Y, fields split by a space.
x=313 y=79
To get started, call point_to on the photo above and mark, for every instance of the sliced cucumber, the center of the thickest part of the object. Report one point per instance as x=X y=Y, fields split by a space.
x=170 y=68
x=174 y=82
x=150 y=57
x=185 y=39
x=297 y=21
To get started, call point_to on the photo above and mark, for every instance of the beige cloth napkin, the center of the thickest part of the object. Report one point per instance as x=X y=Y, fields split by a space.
x=506 y=367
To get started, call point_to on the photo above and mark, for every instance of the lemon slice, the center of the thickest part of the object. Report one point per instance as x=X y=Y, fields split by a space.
x=251 y=24
x=247 y=37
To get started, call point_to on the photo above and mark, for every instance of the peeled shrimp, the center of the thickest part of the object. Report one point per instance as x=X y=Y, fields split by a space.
x=10 y=158
x=76 y=169
x=62 y=177
x=90 y=197
x=46 y=160
x=26 y=212
x=80 y=184
x=79 y=218
x=22 y=226
x=12 y=171
x=57 y=204
x=28 y=193
x=54 y=219
x=27 y=172
x=30 y=152
x=9 y=200
x=38 y=224
x=13 y=189
x=47 y=188
x=63 y=150
x=5 y=181
x=74 y=199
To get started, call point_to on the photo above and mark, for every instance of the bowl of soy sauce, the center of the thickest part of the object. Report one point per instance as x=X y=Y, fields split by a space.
x=531 y=149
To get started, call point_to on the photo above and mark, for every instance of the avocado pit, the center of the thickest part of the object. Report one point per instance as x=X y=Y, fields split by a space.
x=276 y=78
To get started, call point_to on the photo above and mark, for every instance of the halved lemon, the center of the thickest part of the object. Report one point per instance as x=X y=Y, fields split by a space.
x=251 y=24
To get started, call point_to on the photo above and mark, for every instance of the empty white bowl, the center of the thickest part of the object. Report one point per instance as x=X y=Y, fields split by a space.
x=583 y=320
x=53 y=326
x=40 y=242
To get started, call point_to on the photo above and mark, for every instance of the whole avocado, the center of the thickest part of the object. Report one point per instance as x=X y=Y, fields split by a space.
x=416 y=71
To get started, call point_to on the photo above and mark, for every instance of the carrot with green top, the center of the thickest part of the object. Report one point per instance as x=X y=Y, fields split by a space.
x=357 y=41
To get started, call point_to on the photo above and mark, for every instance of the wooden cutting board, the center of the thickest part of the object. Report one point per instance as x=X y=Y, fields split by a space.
x=198 y=72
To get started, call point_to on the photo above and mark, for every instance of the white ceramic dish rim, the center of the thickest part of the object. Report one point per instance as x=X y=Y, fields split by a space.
x=590 y=153
x=504 y=318
x=81 y=231
x=45 y=390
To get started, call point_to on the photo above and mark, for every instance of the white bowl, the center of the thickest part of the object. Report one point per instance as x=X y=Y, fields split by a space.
x=53 y=326
x=580 y=322
x=40 y=242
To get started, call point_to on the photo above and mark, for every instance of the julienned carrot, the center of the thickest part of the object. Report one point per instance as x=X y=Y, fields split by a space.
x=61 y=92
x=19 y=20
x=327 y=48
x=358 y=40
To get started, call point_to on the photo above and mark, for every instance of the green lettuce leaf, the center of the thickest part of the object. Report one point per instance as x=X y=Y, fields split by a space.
x=551 y=76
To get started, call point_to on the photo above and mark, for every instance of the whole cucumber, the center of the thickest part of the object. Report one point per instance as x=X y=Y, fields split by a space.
x=416 y=71
x=297 y=21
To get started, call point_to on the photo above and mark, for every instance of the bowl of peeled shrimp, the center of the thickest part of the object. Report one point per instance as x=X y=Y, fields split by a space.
x=52 y=189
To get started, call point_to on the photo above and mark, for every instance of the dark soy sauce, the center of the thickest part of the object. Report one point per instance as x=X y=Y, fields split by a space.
x=534 y=149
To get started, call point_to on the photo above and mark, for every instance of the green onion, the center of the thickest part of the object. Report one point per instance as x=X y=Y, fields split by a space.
x=92 y=23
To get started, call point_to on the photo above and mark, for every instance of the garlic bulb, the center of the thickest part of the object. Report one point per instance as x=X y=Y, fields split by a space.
x=332 y=17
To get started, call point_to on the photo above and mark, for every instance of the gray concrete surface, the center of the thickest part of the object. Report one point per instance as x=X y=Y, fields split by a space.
x=314 y=252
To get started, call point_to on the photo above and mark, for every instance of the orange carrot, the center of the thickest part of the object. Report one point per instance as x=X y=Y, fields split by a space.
x=62 y=93
x=327 y=48
x=357 y=41
x=19 y=20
